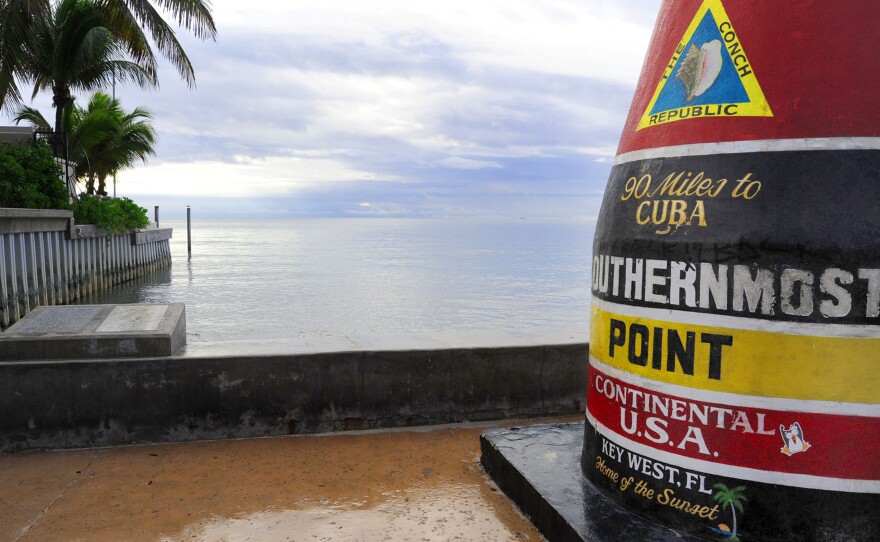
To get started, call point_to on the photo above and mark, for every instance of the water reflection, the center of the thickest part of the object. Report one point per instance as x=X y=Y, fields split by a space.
x=133 y=291
x=441 y=514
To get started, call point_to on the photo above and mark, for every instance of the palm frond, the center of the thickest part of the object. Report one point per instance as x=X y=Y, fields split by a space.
x=121 y=20
x=168 y=44
x=17 y=19
x=193 y=15
x=60 y=44
x=127 y=15
x=34 y=117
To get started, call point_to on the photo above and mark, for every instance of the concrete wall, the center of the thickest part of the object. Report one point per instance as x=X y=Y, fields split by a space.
x=225 y=390
x=47 y=259
x=16 y=135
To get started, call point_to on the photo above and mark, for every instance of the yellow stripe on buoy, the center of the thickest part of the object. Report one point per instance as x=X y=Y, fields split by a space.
x=742 y=361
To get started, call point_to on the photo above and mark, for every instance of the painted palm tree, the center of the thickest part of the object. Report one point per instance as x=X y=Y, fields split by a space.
x=104 y=138
x=130 y=21
x=72 y=49
x=734 y=498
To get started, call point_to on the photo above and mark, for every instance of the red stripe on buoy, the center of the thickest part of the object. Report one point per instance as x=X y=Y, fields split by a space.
x=817 y=79
x=743 y=436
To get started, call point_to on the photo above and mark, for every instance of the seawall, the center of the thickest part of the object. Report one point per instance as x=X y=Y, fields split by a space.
x=298 y=386
x=47 y=259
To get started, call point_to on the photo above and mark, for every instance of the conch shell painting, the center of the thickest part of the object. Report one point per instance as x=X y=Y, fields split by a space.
x=700 y=67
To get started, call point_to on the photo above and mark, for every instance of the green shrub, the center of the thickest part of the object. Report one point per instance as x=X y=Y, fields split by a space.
x=116 y=215
x=30 y=178
x=133 y=215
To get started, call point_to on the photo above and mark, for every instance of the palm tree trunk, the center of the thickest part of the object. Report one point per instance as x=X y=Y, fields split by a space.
x=60 y=99
x=733 y=511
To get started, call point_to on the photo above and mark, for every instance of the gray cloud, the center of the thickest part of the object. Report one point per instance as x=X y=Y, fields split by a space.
x=412 y=122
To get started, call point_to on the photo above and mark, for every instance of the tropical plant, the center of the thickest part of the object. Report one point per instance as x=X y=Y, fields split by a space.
x=103 y=138
x=16 y=18
x=733 y=498
x=127 y=137
x=127 y=20
x=114 y=215
x=71 y=48
x=30 y=178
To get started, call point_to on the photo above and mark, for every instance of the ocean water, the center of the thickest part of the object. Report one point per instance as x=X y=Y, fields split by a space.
x=262 y=279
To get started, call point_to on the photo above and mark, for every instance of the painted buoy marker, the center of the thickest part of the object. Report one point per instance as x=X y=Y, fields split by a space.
x=735 y=321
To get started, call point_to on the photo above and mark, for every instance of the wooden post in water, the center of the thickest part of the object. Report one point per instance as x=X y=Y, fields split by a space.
x=188 y=234
x=733 y=380
x=156 y=215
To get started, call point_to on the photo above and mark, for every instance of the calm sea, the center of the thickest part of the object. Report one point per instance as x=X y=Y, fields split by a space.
x=255 y=279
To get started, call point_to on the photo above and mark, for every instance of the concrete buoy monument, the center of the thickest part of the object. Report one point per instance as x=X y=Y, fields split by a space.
x=734 y=376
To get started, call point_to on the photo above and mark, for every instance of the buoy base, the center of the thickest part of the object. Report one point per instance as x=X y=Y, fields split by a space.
x=539 y=468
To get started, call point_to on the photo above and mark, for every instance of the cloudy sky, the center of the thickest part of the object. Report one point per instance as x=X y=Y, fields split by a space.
x=492 y=108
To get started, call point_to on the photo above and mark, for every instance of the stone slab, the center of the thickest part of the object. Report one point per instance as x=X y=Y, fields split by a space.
x=58 y=320
x=133 y=318
x=34 y=220
x=96 y=332
x=150 y=235
x=539 y=468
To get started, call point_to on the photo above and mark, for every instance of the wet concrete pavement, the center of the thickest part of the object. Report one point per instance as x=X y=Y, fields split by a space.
x=420 y=484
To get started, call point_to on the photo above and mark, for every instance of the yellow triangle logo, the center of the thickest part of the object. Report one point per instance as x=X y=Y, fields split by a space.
x=709 y=75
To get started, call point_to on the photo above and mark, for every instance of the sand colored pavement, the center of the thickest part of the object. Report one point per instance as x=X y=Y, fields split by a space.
x=421 y=484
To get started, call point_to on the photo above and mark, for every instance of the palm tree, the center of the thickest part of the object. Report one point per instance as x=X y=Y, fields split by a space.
x=72 y=49
x=80 y=135
x=131 y=138
x=104 y=138
x=733 y=498
x=126 y=19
